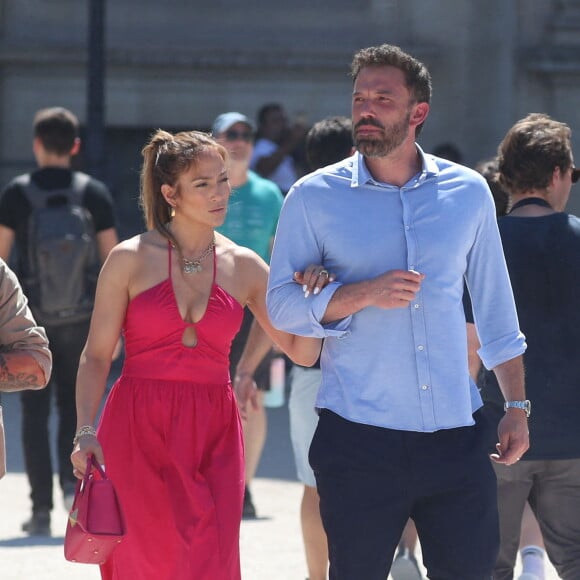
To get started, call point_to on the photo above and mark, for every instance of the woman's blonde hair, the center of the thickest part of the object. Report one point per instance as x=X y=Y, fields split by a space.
x=165 y=158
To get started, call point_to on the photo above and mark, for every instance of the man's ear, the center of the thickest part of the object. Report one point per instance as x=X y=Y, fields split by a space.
x=557 y=174
x=75 y=148
x=36 y=145
x=419 y=114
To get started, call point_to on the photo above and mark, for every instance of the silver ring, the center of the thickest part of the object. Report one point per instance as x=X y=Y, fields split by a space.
x=324 y=273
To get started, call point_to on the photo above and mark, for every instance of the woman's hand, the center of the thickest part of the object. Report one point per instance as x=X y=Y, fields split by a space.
x=314 y=279
x=86 y=445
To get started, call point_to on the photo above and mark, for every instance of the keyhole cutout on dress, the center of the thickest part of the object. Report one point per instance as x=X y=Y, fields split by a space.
x=189 y=337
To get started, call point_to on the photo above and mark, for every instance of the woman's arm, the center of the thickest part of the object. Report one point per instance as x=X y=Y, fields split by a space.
x=257 y=346
x=259 y=343
x=108 y=314
x=302 y=350
x=260 y=339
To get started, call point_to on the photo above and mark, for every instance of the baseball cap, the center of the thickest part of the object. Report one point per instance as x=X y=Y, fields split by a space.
x=226 y=120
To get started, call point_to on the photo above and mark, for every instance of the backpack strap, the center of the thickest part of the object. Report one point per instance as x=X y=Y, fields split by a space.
x=37 y=197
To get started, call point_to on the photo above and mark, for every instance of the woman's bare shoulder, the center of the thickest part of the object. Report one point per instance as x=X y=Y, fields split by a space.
x=241 y=270
x=238 y=254
x=141 y=243
x=130 y=254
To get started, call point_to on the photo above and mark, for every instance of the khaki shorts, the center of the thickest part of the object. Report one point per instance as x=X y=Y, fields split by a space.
x=552 y=488
x=304 y=384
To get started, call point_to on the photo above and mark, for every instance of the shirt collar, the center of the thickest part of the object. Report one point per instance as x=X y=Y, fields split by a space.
x=361 y=175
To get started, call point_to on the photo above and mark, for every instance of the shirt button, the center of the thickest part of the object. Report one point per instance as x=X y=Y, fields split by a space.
x=416 y=306
x=424 y=387
x=420 y=347
x=407 y=227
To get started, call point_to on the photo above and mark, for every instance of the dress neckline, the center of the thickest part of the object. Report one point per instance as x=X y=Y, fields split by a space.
x=211 y=291
x=169 y=283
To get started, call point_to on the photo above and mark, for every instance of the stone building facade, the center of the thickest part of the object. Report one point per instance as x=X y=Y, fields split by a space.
x=178 y=63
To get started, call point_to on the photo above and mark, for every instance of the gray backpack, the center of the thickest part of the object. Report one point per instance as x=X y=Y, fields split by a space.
x=59 y=268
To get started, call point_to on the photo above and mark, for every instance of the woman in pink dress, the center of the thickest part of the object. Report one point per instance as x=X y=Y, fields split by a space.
x=170 y=433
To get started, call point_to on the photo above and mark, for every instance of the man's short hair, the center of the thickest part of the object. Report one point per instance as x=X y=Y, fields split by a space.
x=57 y=128
x=329 y=141
x=417 y=77
x=530 y=152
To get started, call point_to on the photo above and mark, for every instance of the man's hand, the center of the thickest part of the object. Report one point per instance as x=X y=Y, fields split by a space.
x=514 y=438
x=395 y=288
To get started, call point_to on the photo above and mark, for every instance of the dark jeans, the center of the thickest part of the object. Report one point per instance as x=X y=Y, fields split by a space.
x=66 y=344
x=371 y=480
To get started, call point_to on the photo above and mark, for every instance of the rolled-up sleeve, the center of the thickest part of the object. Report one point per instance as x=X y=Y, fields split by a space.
x=296 y=246
x=18 y=329
x=494 y=309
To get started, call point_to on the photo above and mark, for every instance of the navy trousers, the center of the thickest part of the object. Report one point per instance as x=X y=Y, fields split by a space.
x=371 y=480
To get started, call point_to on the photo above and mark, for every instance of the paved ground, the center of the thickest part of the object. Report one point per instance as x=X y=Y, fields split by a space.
x=271 y=546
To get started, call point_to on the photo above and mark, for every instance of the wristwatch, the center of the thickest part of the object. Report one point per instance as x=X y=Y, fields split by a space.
x=525 y=406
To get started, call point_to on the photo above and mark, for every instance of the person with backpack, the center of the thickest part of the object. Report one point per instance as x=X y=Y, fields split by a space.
x=61 y=224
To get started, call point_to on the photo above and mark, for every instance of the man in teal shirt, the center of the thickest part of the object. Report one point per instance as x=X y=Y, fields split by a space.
x=255 y=202
x=251 y=221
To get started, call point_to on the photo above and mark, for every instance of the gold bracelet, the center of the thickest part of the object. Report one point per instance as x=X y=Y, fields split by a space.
x=84 y=430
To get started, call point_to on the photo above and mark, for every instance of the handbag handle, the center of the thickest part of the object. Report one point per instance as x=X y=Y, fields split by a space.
x=92 y=462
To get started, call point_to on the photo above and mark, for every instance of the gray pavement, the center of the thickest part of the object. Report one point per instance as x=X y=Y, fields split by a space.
x=271 y=546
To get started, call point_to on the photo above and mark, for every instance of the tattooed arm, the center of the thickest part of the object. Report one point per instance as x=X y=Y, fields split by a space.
x=25 y=360
x=20 y=370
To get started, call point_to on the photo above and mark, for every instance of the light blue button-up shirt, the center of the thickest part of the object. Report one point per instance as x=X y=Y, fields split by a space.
x=403 y=368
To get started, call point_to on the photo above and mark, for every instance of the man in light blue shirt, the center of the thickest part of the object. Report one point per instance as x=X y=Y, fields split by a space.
x=399 y=434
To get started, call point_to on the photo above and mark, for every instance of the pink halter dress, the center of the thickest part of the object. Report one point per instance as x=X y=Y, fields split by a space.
x=172 y=440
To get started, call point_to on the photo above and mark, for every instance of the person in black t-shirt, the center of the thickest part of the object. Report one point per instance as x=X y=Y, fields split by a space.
x=542 y=248
x=531 y=548
x=55 y=142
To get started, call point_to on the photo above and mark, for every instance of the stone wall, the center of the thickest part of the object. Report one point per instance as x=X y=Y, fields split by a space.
x=179 y=63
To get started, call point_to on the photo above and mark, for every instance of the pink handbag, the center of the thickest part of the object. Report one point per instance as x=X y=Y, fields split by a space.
x=95 y=524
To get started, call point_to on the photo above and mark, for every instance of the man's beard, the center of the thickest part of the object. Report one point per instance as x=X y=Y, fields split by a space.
x=381 y=145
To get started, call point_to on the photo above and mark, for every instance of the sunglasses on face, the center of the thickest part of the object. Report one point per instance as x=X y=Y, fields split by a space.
x=232 y=135
x=575 y=174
